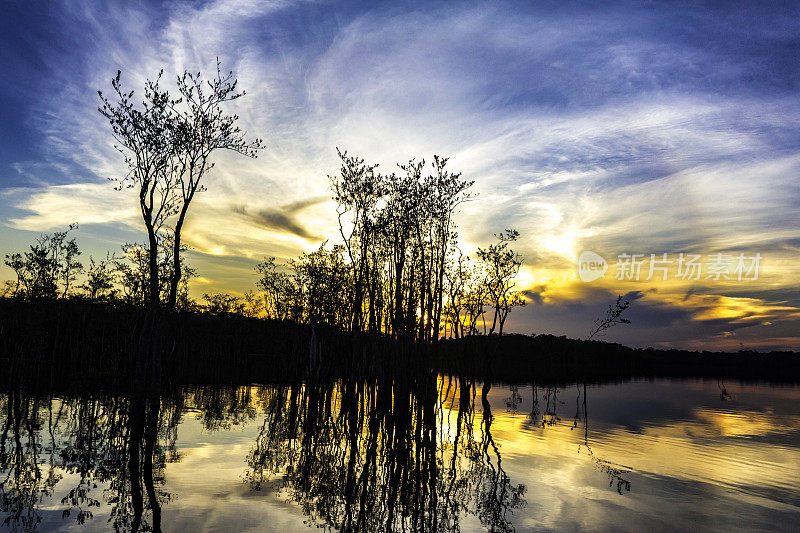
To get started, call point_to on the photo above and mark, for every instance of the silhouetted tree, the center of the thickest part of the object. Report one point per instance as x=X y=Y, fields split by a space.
x=144 y=136
x=49 y=269
x=612 y=317
x=200 y=128
x=99 y=284
x=357 y=190
x=502 y=266
x=223 y=303
x=167 y=145
x=276 y=286
x=132 y=271
x=449 y=191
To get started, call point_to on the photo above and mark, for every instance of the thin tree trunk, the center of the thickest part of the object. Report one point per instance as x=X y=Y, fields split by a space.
x=176 y=260
x=153 y=263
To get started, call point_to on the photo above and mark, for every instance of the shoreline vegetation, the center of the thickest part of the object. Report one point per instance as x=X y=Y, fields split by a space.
x=90 y=346
x=396 y=291
x=398 y=271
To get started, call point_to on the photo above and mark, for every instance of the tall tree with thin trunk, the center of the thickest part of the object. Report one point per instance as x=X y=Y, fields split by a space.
x=357 y=190
x=167 y=144
x=201 y=127
x=143 y=135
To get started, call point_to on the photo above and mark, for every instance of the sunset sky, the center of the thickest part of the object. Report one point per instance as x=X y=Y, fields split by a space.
x=632 y=128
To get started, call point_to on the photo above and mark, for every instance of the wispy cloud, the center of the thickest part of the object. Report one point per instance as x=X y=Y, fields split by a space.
x=621 y=129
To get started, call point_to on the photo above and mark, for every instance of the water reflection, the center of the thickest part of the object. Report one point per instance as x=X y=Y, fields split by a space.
x=427 y=452
x=99 y=451
x=378 y=456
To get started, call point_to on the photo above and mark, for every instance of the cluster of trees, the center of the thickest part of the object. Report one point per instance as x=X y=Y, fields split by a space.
x=399 y=270
x=50 y=269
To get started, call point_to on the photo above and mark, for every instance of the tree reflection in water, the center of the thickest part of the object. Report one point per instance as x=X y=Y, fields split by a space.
x=111 y=449
x=408 y=451
x=384 y=456
x=542 y=419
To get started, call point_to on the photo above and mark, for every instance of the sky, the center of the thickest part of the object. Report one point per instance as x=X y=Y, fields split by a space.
x=617 y=128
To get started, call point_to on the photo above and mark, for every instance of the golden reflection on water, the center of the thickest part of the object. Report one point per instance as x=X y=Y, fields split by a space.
x=448 y=455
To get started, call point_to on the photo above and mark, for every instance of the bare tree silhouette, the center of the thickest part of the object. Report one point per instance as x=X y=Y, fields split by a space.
x=612 y=317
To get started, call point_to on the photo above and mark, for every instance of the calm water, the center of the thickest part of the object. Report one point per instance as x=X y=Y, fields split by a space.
x=436 y=454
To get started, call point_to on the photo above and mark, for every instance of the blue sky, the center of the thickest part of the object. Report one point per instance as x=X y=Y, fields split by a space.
x=638 y=127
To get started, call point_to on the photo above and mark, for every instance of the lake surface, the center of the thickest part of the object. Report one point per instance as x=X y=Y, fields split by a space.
x=435 y=453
